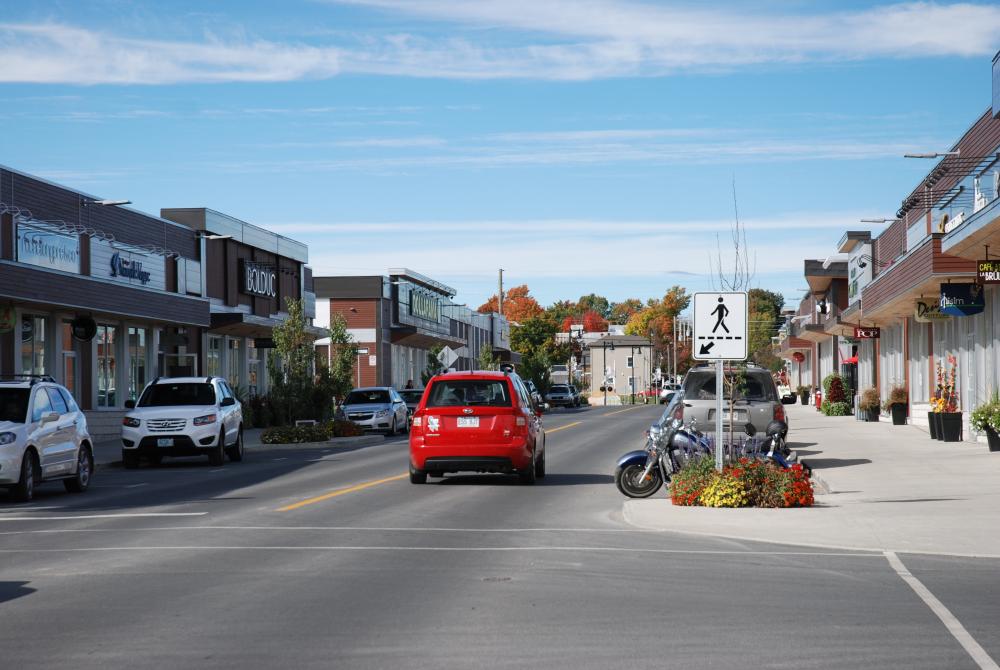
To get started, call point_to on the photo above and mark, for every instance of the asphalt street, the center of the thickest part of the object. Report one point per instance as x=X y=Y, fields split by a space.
x=325 y=557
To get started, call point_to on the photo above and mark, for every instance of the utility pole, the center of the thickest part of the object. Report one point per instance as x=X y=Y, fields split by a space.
x=675 y=350
x=500 y=295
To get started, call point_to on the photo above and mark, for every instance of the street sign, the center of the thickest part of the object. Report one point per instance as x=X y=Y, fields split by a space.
x=362 y=352
x=720 y=326
x=447 y=357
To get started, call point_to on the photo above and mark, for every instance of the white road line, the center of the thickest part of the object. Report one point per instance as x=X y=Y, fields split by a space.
x=135 y=515
x=135 y=486
x=953 y=625
x=283 y=458
x=331 y=548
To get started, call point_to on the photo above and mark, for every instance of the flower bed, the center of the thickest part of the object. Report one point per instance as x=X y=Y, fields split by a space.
x=315 y=433
x=747 y=483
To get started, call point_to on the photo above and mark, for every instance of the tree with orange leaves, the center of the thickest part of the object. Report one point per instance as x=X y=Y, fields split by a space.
x=518 y=305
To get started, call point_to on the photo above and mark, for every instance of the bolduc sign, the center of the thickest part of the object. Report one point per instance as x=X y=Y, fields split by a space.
x=871 y=333
x=988 y=272
x=260 y=279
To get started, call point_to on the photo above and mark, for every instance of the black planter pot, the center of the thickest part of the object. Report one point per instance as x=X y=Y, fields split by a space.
x=898 y=410
x=951 y=426
x=993 y=438
x=934 y=424
x=804 y=399
x=871 y=415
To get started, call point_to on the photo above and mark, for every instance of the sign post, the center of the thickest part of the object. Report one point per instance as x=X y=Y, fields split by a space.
x=720 y=334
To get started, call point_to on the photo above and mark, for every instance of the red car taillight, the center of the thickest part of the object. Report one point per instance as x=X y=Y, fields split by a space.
x=779 y=413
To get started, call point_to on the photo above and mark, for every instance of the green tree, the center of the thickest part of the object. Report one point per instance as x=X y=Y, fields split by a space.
x=290 y=366
x=433 y=364
x=535 y=366
x=622 y=311
x=343 y=357
x=487 y=361
x=596 y=303
x=765 y=319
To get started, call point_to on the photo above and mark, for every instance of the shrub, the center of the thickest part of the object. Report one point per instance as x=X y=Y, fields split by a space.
x=802 y=390
x=841 y=408
x=836 y=393
x=295 y=434
x=799 y=490
x=987 y=415
x=344 y=428
x=897 y=396
x=686 y=486
x=869 y=400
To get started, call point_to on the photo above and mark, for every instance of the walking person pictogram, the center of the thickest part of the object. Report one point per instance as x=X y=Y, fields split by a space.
x=722 y=311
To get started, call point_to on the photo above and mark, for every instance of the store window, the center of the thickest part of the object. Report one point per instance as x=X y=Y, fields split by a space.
x=136 y=362
x=233 y=364
x=33 y=345
x=68 y=357
x=214 y=357
x=106 y=366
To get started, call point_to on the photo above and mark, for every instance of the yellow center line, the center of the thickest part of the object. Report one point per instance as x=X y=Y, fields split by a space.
x=340 y=492
x=627 y=409
x=568 y=425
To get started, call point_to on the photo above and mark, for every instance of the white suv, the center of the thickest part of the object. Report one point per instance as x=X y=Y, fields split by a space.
x=183 y=416
x=43 y=436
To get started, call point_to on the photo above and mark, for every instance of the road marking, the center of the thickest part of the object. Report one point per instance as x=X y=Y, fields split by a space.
x=135 y=515
x=568 y=425
x=217 y=470
x=627 y=409
x=953 y=625
x=339 y=492
x=135 y=486
x=625 y=550
x=283 y=458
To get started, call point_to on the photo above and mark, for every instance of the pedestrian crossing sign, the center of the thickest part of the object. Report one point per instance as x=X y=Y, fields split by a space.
x=720 y=326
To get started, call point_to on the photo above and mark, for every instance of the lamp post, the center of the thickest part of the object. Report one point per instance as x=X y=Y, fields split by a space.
x=631 y=381
x=604 y=373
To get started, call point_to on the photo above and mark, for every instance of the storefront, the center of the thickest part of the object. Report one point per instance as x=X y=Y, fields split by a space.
x=103 y=298
x=397 y=320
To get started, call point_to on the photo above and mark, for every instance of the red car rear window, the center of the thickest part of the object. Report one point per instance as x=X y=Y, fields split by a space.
x=471 y=392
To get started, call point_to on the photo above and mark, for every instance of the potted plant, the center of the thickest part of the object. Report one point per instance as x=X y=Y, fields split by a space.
x=896 y=404
x=870 y=404
x=986 y=419
x=932 y=418
x=946 y=403
x=803 y=393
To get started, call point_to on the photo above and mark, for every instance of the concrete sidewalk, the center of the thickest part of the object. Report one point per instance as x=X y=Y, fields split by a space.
x=109 y=452
x=879 y=487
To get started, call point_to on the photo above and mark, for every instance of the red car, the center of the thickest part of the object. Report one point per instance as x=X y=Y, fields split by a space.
x=477 y=422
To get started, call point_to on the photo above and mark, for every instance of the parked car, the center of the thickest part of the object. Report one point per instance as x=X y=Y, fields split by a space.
x=757 y=400
x=477 y=422
x=536 y=396
x=377 y=408
x=666 y=396
x=563 y=395
x=43 y=437
x=412 y=399
x=183 y=416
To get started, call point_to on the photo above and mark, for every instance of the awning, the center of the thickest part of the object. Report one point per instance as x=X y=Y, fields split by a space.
x=241 y=324
x=852 y=359
x=410 y=336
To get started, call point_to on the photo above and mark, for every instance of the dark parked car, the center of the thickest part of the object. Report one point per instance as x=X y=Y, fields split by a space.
x=563 y=395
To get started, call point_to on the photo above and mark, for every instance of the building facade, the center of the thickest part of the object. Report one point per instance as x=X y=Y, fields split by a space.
x=397 y=319
x=105 y=298
x=626 y=362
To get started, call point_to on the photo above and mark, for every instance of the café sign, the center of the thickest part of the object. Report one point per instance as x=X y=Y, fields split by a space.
x=869 y=333
x=988 y=272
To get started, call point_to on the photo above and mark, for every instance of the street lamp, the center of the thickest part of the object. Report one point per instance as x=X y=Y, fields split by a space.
x=880 y=220
x=604 y=373
x=84 y=202
x=937 y=154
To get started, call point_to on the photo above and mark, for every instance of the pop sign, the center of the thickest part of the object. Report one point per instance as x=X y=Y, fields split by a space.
x=871 y=333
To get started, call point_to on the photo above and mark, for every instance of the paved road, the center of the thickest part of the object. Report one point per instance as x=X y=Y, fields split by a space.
x=192 y=566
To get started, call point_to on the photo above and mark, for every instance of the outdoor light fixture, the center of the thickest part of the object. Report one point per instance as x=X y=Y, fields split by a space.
x=211 y=236
x=105 y=203
x=941 y=154
x=880 y=220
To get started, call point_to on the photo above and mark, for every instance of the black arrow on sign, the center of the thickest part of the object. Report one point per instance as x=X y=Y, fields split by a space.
x=705 y=348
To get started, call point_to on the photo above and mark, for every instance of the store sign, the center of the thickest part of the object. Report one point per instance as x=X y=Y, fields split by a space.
x=928 y=312
x=260 y=279
x=37 y=245
x=962 y=299
x=988 y=272
x=132 y=269
x=871 y=333
x=424 y=306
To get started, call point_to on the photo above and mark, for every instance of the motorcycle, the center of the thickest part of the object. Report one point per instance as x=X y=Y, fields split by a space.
x=774 y=447
x=641 y=473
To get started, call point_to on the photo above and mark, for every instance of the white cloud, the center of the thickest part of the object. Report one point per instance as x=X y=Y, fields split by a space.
x=535 y=39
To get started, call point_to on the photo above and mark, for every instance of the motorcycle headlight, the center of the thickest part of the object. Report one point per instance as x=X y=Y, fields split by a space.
x=131 y=422
x=204 y=420
x=7 y=438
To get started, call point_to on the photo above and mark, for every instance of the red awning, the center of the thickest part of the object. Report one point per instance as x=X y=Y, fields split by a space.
x=852 y=359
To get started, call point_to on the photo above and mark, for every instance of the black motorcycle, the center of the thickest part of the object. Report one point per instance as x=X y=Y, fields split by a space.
x=641 y=473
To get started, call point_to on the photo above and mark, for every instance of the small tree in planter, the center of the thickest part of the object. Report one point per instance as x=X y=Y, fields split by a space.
x=870 y=404
x=896 y=403
x=803 y=393
x=986 y=419
x=945 y=403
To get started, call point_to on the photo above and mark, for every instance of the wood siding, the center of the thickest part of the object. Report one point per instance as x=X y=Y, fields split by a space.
x=924 y=262
x=888 y=246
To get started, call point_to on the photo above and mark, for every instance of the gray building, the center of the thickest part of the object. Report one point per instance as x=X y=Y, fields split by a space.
x=622 y=364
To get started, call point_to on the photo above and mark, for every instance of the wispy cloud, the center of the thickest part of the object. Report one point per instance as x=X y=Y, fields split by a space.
x=532 y=39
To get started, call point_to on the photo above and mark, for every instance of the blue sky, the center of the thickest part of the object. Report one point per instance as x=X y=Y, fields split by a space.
x=582 y=145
